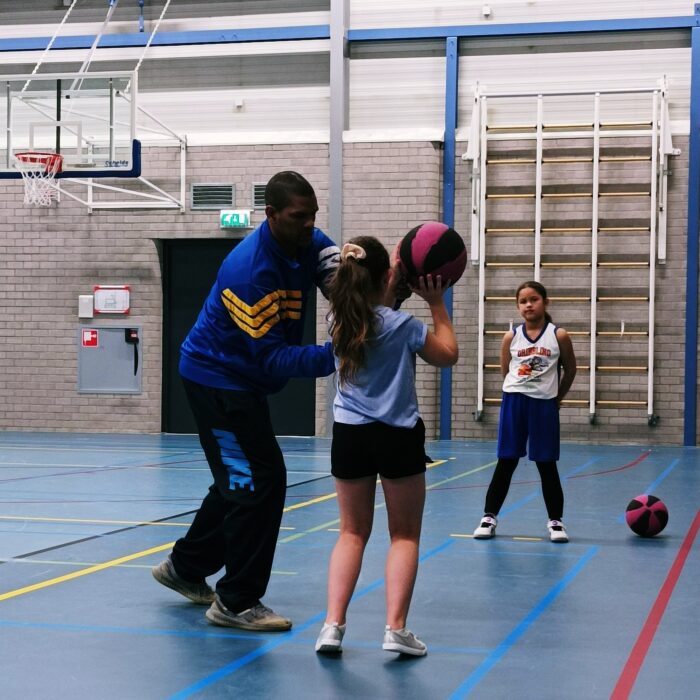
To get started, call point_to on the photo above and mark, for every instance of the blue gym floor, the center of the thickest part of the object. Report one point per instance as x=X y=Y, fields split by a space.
x=83 y=518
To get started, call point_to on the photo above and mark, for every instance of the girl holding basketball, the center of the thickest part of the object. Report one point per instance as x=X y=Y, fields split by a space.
x=538 y=366
x=378 y=430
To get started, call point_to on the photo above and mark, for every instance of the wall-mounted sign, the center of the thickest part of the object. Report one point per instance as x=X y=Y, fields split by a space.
x=234 y=218
x=90 y=338
x=111 y=299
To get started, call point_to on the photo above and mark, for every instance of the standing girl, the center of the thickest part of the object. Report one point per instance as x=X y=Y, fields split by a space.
x=532 y=357
x=378 y=430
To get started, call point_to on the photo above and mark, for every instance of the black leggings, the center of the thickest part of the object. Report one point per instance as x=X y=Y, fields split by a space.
x=551 y=487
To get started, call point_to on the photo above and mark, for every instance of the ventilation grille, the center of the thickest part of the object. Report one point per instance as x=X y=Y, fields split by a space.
x=213 y=197
x=259 y=196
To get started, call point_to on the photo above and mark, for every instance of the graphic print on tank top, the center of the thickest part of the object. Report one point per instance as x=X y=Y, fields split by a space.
x=534 y=363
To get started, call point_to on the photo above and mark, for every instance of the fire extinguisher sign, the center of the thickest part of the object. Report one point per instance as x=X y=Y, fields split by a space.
x=90 y=338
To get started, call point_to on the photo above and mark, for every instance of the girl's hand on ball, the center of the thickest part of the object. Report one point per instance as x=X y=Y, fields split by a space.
x=430 y=288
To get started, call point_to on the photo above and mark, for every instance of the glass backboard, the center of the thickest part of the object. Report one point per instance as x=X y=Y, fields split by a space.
x=88 y=118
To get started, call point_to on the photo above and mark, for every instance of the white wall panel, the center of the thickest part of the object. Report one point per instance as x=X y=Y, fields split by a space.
x=397 y=94
x=405 y=97
x=576 y=71
x=194 y=51
x=366 y=14
x=188 y=24
x=281 y=115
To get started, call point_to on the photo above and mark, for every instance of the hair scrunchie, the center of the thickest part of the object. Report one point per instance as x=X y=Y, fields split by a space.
x=350 y=250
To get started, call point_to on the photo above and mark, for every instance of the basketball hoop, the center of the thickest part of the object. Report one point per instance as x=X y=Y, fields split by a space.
x=39 y=170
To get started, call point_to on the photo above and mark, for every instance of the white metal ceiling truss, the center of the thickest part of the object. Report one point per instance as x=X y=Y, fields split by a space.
x=154 y=197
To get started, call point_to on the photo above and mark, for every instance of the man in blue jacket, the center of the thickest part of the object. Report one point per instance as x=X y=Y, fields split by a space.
x=244 y=346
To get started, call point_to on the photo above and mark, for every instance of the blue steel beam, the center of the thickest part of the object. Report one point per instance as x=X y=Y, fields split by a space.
x=448 y=208
x=322 y=31
x=208 y=36
x=691 y=279
x=525 y=28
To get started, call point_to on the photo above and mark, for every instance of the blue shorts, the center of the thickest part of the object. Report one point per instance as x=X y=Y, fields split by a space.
x=532 y=422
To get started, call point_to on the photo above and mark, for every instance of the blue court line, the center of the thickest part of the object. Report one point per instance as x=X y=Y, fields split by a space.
x=284 y=638
x=141 y=631
x=213 y=634
x=652 y=486
x=490 y=661
x=581 y=468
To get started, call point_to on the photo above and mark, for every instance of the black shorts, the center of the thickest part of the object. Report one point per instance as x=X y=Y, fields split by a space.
x=376 y=448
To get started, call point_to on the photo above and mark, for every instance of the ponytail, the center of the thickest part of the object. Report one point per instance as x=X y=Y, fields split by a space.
x=353 y=293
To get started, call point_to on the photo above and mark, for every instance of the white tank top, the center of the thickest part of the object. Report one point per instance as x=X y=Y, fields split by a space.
x=534 y=363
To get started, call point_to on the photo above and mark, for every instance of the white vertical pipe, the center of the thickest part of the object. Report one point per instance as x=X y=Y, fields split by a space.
x=183 y=176
x=652 y=253
x=662 y=176
x=134 y=82
x=482 y=258
x=8 y=128
x=538 y=189
x=474 y=154
x=112 y=154
x=594 y=254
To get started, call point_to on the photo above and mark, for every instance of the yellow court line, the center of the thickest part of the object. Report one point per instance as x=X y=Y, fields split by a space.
x=328 y=525
x=84 y=572
x=320 y=499
x=54 y=562
x=519 y=539
x=15 y=518
x=462 y=475
x=164 y=547
x=90 y=522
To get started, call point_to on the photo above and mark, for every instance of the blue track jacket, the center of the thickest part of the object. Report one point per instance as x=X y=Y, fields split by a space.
x=247 y=336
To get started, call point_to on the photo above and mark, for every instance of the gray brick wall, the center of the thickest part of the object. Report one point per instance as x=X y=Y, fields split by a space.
x=51 y=256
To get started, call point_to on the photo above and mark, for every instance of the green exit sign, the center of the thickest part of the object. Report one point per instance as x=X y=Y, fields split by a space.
x=234 y=218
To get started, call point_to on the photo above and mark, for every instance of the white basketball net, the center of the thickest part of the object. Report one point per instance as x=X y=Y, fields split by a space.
x=39 y=171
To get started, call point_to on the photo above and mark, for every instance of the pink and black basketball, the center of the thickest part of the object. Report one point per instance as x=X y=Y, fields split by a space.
x=433 y=249
x=646 y=515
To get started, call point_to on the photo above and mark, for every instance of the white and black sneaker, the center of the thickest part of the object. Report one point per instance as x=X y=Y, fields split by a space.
x=557 y=533
x=486 y=529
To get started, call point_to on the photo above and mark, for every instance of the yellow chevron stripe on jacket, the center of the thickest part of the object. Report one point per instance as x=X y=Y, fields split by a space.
x=258 y=319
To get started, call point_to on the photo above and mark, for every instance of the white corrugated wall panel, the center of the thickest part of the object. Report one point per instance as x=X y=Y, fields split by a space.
x=182 y=24
x=397 y=94
x=406 y=96
x=278 y=115
x=366 y=14
x=576 y=71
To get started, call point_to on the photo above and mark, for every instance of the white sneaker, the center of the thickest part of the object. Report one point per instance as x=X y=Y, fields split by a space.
x=486 y=529
x=557 y=533
x=330 y=638
x=403 y=642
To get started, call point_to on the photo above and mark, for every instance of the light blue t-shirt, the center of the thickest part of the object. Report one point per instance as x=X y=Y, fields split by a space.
x=385 y=388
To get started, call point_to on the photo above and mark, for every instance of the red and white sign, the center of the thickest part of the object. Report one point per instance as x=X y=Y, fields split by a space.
x=90 y=338
x=111 y=298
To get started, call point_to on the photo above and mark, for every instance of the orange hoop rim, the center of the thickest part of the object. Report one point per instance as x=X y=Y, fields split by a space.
x=52 y=162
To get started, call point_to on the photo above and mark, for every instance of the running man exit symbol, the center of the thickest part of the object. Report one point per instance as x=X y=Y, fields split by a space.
x=89 y=338
x=234 y=218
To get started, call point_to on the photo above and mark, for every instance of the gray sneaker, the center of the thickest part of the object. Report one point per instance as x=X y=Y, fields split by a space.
x=258 y=618
x=403 y=642
x=330 y=638
x=200 y=593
